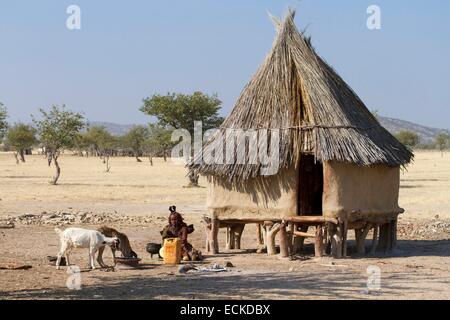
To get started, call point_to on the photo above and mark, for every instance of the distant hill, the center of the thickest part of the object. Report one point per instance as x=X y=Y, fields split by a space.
x=427 y=134
x=113 y=128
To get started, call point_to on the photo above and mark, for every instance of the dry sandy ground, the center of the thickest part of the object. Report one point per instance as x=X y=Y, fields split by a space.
x=130 y=187
x=417 y=270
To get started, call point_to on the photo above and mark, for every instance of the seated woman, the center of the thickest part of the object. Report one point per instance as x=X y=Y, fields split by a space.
x=178 y=229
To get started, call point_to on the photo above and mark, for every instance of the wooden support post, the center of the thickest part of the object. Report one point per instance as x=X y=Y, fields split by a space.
x=208 y=234
x=207 y=247
x=339 y=239
x=325 y=238
x=393 y=234
x=328 y=238
x=259 y=235
x=230 y=238
x=213 y=241
x=238 y=229
x=332 y=232
x=374 y=238
x=227 y=238
x=284 y=247
x=264 y=233
x=318 y=244
x=360 y=235
x=384 y=237
x=271 y=232
x=357 y=236
x=290 y=237
x=264 y=227
x=336 y=241
x=390 y=238
x=297 y=242
x=344 y=237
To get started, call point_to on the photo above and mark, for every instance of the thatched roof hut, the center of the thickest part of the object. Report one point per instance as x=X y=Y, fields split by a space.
x=335 y=159
x=296 y=91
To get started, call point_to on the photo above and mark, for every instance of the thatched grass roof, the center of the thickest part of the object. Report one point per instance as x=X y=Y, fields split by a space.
x=297 y=92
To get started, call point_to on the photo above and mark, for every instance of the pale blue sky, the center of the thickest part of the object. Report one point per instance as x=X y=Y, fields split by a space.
x=128 y=50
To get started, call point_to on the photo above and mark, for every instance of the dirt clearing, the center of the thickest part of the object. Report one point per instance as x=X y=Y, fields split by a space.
x=140 y=196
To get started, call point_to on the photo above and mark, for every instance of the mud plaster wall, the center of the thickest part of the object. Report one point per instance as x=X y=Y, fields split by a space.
x=262 y=197
x=358 y=192
x=350 y=191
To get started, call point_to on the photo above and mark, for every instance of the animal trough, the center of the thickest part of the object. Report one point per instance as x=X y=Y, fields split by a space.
x=126 y=263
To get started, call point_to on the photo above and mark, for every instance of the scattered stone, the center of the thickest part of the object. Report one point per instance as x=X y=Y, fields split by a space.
x=7 y=224
x=414 y=266
x=426 y=229
x=108 y=269
x=26 y=216
x=59 y=218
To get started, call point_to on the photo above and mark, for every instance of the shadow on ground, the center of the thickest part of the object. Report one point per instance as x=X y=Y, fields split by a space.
x=408 y=248
x=292 y=285
x=305 y=282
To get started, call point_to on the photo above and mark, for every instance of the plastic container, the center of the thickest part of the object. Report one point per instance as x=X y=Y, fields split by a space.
x=172 y=251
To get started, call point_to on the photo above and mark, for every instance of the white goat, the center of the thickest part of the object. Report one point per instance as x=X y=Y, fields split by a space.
x=83 y=238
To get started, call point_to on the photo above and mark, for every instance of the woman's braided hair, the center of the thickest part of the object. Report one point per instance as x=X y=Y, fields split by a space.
x=173 y=212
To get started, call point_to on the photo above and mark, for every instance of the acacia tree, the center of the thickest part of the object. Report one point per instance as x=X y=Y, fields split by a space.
x=408 y=138
x=179 y=111
x=58 y=130
x=81 y=144
x=21 y=137
x=158 y=142
x=442 y=140
x=106 y=144
x=3 y=123
x=135 y=140
x=98 y=139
